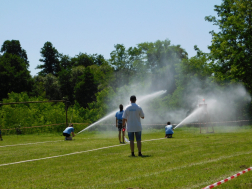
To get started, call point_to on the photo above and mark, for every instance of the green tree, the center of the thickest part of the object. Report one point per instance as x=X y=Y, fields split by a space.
x=82 y=59
x=231 y=48
x=122 y=64
x=38 y=88
x=98 y=59
x=14 y=75
x=52 y=87
x=66 y=84
x=65 y=62
x=193 y=78
x=14 y=47
x=160 y=59
x=51 y=63
x=103 y=75
x=85 y=89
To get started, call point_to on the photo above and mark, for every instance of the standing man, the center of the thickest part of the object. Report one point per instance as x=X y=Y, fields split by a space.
x=67 y=132
x=132 y=116
x=119 y=123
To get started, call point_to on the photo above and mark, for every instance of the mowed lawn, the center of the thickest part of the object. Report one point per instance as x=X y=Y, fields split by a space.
x=188 y=160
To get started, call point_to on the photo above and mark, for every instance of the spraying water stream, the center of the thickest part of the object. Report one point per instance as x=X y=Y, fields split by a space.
x=195 y=112
x=147 y=97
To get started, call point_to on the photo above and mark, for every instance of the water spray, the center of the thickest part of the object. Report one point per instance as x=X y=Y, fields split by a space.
x=147 y=97
x=195 y=112
x=201 y=108
x=203 y=117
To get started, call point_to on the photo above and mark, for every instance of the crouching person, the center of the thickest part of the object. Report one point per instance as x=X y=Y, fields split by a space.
x=168 y=130
x=67 y=132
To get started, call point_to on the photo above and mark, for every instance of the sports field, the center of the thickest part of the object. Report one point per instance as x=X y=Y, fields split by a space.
x=97 y=160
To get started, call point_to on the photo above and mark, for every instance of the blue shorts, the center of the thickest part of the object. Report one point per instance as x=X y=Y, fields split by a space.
x=137 y=134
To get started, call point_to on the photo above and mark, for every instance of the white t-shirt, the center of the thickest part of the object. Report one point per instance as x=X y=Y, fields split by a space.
x=133 y=113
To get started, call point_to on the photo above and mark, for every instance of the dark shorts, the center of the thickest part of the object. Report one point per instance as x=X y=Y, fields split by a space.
x=137 y=134
x=66 y=134
x=120 y=127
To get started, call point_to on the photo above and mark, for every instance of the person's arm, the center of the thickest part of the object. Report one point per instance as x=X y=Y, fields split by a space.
x=73 y=134
x=141 y=114
x=124 y=121
x=116 y=122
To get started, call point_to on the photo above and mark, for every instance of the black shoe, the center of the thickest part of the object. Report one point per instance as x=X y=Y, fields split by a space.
x=140 y=154
x=133 y=155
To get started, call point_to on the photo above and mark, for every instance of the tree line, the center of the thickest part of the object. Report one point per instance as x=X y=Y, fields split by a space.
x=91 y=83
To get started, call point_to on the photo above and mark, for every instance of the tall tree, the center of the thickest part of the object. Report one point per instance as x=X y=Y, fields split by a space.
x=65 y=62
x=66 y=84
x=14 y=47
x=51 y=63
x=119 y=59
x=231 y=49
x=14 y=75
x=86 y=88
x=82 y=59
x=52 y=87
x=98 y=59
x=160 y=60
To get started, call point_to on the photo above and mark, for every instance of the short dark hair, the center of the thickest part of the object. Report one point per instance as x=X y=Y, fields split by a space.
x=133 y=98
x=121 y=107
x=168 y=123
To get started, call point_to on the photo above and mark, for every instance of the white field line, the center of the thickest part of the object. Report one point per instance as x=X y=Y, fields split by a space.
x=181 y=167
x=30 y=143
x=131 y=178
x=175 y=168
x=69 y=154
x=44 y=142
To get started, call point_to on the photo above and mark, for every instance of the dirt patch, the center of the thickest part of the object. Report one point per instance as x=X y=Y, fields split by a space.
x=246 y=185
x=207 y=168
x=244 y=167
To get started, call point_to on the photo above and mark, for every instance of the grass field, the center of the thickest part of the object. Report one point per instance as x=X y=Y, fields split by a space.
x=97 y=160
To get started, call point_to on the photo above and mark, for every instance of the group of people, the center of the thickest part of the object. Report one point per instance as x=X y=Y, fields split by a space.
x=131 y=115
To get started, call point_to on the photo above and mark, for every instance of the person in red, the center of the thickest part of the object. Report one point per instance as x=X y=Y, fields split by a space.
x=119 y=124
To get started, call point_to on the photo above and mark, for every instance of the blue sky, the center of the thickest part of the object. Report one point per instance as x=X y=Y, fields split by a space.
x=95 y=26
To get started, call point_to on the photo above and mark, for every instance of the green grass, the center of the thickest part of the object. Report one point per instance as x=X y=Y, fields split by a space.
x=188 y=160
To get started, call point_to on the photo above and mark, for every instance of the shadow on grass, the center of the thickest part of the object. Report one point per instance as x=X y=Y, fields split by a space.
x=143 y=156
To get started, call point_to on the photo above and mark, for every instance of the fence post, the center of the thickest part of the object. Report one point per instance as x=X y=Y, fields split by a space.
x=66 y=108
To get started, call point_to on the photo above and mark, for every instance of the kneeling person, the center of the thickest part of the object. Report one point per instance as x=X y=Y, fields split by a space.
x=168 y=130
x=67 y=132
